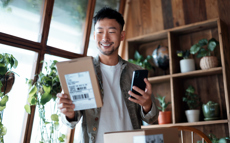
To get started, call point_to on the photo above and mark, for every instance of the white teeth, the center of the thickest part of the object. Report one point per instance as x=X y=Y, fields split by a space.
x=105 y=44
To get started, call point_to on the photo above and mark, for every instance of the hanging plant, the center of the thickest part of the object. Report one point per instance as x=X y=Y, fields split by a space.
x=41 y=92
x=7 y=62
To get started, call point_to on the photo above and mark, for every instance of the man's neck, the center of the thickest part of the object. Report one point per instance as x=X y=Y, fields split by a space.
x=110 y=60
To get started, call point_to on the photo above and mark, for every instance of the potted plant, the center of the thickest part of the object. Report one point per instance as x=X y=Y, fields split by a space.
x=203 y=49
x=7 y=77
x=193 y=102
x=211 y=110
x=164 y=116
x=41 y=92
x=141 y=61
x=186 y=64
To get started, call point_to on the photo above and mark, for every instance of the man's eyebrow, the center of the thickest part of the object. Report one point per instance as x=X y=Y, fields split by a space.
x=112 y=28
x=109 y=28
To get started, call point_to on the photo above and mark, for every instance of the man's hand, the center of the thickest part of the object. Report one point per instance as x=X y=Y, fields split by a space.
x=144 y=100
x=66 y=106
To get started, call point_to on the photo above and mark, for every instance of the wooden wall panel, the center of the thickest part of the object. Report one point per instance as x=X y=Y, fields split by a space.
x=211 y=9
x=194 y=11
x=167 y=13
x=177 y=12
x=145 y=14
x=156 y=15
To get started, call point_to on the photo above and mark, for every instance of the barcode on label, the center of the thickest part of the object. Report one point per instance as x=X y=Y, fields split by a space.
x=81 y=96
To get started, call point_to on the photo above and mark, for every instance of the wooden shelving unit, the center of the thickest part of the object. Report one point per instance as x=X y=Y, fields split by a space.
x=212 y=84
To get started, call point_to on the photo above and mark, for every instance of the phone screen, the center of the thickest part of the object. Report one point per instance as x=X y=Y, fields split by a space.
x=138 y=80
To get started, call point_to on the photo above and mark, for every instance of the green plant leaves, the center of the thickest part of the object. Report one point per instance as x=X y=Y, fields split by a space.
x=203 y=42
x=201 y=49
x=33 y=90
x=195 y=48
x=54 y=117
x=2 y=108
x=139 y=60
x=27 y=108
x=4 y=100
x=45 y=98
x=190 y=89
x=61 y=138
x=211 y=45
x=202 y=52
x=162 y=102
x=3 y=131
x=32 y=100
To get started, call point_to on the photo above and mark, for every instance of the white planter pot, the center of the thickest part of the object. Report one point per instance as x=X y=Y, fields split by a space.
x=187 y=65
x=192 y=115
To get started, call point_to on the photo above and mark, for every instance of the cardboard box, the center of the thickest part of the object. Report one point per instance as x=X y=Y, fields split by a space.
x=156 y=135
x=79 y=81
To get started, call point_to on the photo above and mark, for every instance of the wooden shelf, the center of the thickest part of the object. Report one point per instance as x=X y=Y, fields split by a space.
x=196 y=73
x=212 y=71
x=187 y=124
x=211 y=84
x=159 y=79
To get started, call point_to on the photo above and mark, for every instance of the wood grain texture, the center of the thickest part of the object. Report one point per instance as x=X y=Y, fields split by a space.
x=145 y=14
x=211 y=9
x=156 y=16
x=167 y=13
x=136 y=18
x=194 y=11
x=177 y=12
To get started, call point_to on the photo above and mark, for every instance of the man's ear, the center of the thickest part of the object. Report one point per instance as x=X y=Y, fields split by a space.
x=94 y=35
x=122 y=35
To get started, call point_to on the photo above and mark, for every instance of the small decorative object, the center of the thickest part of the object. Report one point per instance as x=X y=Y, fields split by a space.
x=139 y=60
x=164 y=116
x=161 y=57
x=7 y=62
x=186 y=64
x=207 y=61
x=211 y=110
x=42 y=91
x=193 y=102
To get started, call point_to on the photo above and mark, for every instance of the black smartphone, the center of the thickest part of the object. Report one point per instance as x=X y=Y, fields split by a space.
x=138 y=80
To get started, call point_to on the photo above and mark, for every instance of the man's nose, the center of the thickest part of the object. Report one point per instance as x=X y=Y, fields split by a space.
x=105 y=36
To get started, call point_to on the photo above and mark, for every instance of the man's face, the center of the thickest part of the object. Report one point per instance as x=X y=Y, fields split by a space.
x=108 y=36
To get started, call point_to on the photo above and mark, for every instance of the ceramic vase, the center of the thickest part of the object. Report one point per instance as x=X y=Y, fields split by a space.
x=187 y=65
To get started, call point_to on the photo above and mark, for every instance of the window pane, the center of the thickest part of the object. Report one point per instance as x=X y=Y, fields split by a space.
x=49 y=110
x=14 y=117
x=21 y=18
x=92 y=49
x=67 y=25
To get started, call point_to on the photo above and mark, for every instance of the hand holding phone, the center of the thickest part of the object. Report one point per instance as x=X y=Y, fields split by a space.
x=138 y=80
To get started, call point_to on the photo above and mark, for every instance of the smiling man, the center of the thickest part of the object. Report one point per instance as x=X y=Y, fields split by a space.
x=119 y=112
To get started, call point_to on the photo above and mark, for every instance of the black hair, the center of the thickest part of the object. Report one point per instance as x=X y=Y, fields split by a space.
x=107 y=12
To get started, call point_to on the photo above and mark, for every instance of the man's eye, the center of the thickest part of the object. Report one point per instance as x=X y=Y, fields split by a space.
x=99 y=32
x=111 y=32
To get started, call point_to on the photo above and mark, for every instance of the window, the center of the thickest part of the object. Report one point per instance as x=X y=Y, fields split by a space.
x=22 y=34
x=67 y=25
x=49 y=109
x=21 y=18
x=14 y=116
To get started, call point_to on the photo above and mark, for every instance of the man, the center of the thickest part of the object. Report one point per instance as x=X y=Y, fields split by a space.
x=119 y=111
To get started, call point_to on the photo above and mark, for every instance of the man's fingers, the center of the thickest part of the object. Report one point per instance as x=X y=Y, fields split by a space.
x=63 y=105
x=148 y=88
x=65 y=100
x=134 y=95
x=138 y=90
x=61 y=95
